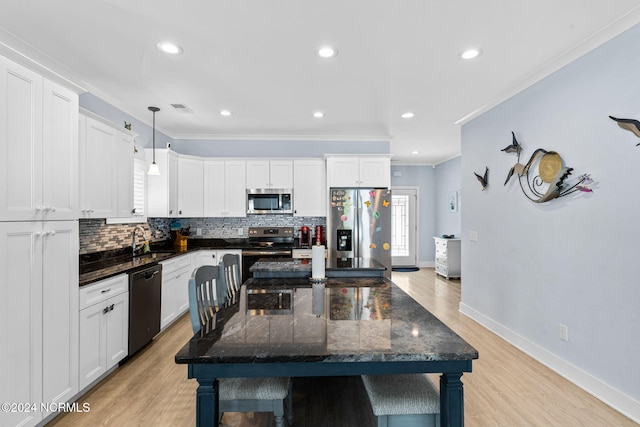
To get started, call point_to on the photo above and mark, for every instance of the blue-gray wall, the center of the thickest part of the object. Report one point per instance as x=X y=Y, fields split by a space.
x=422 y=177
x=277 y=148
x=571 y=261
x=96 y=105
x=434 y=218
x=448 y=181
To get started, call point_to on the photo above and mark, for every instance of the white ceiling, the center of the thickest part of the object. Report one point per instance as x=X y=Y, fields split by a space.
x=257 y=59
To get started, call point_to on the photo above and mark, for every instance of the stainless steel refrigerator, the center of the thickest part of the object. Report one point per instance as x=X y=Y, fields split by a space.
x=359 y=225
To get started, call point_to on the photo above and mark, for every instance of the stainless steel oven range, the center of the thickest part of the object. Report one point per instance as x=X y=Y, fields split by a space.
x=266 y=242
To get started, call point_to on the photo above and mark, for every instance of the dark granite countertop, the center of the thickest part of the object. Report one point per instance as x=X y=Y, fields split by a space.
x=102 y=265
x=343 y=320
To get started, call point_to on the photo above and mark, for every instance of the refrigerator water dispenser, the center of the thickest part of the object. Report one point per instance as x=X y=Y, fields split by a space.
x=344 y=240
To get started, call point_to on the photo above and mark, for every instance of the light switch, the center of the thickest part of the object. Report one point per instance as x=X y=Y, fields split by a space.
x=473 y=236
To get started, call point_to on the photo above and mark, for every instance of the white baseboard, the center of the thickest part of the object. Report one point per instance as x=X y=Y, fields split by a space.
x=609 y=395
x=427 y=264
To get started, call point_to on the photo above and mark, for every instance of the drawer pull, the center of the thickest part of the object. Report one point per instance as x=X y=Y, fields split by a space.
x=104 y=291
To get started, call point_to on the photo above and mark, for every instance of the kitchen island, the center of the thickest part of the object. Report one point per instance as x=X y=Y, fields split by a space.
x=334 y=267
x=341 y=326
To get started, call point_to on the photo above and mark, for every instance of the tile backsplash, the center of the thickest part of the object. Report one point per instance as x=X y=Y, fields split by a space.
x=96 y=235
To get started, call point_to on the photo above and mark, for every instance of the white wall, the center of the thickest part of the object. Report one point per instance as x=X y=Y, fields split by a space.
x=572 y=261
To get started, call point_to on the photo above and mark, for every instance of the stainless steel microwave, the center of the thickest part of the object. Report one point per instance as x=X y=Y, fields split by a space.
x=269 y=201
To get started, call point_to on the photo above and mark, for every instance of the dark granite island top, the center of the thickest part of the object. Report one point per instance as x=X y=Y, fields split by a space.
x=334 y=267
x=343 y=326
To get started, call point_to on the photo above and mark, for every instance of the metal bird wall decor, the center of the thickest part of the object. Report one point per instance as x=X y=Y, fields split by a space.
x=484 y=180
x=543 y=177
x=630 y=125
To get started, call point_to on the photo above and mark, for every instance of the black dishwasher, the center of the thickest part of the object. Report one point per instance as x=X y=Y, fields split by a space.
x=145 y=289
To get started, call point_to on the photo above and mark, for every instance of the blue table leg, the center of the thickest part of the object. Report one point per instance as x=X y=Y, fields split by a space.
x=207 y=403
x=451 y=400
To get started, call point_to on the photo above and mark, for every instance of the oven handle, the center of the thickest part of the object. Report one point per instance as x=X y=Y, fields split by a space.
x=259 y=252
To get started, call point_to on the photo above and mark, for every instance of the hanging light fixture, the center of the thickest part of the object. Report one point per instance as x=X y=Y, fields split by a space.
x=153 y=167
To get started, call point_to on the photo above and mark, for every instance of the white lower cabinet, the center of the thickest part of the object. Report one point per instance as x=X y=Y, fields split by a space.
x=104 y=327
x=214 y=257
x=175 y=289
x=38 y=316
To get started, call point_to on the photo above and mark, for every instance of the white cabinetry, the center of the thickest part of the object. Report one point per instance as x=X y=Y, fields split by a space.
x=270 y=174
x=124 y=154
x=225 y=188
x=104 y=327
x=38 y=315
x=309 y=188
x=190 y=187
x=178 y=190
x=214 y=257
x=162 y=190
x=448 y=257
x=38 y=147
x=106 y=168
x=362 y=171
x=175 y=289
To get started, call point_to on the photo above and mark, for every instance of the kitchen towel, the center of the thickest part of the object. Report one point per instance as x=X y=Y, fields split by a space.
x=317 y=262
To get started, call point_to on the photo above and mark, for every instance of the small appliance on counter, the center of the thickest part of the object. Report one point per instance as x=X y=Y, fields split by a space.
x=305 y=237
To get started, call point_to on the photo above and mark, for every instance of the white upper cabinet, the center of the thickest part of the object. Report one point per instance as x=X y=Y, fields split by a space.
x=162 y=190
x=38 y=146
x=225 y=188
x=190 y=187
x=362 y=171
x=309 y=189
x=106 y=168
x=269 y=174
x=124 y=152
x=60 y=153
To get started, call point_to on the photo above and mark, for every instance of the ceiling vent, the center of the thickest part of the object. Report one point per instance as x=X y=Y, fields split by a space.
x=181 y=108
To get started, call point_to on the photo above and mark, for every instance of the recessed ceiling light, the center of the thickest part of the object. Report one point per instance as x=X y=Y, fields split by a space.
x=327 y=52
x=408 y=115
x=169 y=47
x=414 y=152
x=318 y=114
x=225 y=113
x=470 y=53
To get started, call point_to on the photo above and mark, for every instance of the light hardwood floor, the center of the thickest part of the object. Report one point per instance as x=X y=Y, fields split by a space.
x=506 y=387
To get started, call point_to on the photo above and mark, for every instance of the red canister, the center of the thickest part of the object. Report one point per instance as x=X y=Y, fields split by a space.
x=319 y=236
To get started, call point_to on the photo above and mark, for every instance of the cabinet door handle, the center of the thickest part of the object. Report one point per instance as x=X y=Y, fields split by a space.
x=111 y=307
x=106 y=310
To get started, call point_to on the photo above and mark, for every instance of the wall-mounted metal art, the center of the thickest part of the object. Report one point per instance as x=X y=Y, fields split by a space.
x=544 y=176
x=484 y=180
x=630 y=125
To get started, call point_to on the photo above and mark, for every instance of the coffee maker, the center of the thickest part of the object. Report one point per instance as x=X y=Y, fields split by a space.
x=305 y=237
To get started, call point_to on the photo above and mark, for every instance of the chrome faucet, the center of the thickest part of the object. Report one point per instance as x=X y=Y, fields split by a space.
x=133 y=238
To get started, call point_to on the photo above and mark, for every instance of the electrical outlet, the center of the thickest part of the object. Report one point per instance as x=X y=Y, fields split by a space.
x=240 y=231
x=564 y=333
x=473 y=236
x=198 y=231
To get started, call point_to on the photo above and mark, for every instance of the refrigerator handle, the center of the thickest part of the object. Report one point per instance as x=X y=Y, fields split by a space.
x=357 y=225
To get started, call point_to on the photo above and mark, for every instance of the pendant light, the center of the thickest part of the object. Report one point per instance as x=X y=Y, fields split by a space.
x=153 y=167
